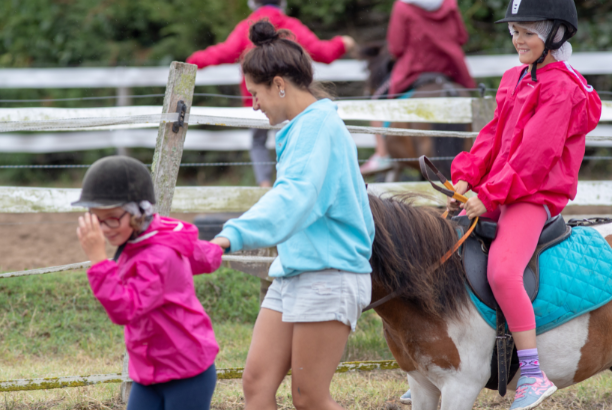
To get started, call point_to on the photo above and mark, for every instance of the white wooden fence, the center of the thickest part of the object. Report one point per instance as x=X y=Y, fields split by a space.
x=124 y=78
x=227 y=199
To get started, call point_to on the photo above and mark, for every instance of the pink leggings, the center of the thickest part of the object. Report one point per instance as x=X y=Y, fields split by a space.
x=519 y=228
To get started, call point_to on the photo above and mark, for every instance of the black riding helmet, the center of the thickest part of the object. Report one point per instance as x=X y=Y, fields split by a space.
x=115 y=181
x=560 y=12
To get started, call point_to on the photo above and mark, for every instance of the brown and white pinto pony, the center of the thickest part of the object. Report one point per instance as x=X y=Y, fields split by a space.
x=434 y=331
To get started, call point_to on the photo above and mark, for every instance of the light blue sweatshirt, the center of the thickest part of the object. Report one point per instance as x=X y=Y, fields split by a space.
x=318 y=212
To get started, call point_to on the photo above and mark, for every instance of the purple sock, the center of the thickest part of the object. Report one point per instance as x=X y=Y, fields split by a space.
x=530 y=363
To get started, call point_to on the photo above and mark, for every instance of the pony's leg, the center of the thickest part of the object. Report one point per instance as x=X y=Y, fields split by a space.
x=460 y=393
x=425 y=395
x=474 y=340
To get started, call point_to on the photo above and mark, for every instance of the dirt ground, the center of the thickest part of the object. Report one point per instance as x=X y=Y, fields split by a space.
x=29 y=241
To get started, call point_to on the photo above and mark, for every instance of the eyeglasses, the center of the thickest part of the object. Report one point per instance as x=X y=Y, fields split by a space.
x=112 y=222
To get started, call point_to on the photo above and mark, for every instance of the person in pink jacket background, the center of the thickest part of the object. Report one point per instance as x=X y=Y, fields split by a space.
x=148 y=286
x=238 y=43
x=524 y=165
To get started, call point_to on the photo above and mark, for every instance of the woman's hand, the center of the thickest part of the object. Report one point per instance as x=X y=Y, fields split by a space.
x=349 y=43
x=451 y=204
x=474 y=207
x=222 y=242
x=91 y=238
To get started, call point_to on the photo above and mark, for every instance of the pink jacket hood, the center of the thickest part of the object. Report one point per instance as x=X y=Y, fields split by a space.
x=178 y=235
x=150 y=291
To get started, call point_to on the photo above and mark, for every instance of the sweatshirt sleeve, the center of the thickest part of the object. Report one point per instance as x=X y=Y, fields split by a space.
x=124 y=303
x=321 y=51
x=288 y=207
x=472 y=166
x=227 y=52
x=397 y=31
x=206 y=257
x=541 y=147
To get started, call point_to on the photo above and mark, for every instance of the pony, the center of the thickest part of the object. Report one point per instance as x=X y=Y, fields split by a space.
x=429 y=85
x=435 y=332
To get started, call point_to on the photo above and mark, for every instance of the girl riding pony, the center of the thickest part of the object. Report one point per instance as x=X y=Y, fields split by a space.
x=424 y=36
x=524 y=164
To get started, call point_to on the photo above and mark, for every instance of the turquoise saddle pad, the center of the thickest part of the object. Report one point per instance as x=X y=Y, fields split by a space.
x=575 y=278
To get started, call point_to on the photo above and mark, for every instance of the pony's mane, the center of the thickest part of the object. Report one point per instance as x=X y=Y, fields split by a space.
x=409 y=241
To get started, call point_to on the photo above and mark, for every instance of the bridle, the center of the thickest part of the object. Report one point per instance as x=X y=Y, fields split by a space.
x=449 y=191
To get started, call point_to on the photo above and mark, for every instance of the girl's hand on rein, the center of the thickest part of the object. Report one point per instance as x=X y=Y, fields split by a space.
x=474 y=207
x=451 y=204
x=91 y=238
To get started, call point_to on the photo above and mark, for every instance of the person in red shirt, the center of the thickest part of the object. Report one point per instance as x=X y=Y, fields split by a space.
x=238 y=42
x=424 y=36
x=524 y=164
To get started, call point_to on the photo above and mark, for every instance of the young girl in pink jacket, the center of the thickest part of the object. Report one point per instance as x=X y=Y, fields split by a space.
x=148 y=286
x=524 y=165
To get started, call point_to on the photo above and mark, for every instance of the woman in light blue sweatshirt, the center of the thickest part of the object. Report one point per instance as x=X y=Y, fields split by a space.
x=318 y=216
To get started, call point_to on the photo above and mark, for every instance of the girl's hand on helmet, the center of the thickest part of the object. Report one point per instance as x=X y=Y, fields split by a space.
x=474 y=207
x=349 y=43
x=222 y=242
x=452 y=204
x=91 y=238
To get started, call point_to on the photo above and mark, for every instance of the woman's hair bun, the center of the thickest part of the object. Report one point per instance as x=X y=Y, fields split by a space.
x=263 y=32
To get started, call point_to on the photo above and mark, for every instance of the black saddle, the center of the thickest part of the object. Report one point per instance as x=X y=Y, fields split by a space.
x=474 y=254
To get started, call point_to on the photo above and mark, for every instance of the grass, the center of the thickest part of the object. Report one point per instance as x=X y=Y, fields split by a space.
x=53 y=326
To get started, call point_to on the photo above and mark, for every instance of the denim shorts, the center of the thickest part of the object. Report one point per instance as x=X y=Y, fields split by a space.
x=320 y=296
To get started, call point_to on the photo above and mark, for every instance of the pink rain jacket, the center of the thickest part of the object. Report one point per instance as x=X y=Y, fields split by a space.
x=150 y=291
x=427 y=42
x=238 y=42
x=533 y=148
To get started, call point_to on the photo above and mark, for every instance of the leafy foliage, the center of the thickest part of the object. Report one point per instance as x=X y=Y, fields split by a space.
x=155 y=32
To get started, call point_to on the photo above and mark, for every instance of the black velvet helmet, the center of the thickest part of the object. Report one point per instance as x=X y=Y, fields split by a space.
x=560 y=12
x=115 y=181
x=563 y=11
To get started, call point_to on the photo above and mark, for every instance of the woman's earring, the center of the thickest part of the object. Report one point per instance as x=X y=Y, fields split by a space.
x=281 y=93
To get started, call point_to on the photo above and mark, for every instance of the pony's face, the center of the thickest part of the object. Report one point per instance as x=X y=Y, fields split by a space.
x=527 y=43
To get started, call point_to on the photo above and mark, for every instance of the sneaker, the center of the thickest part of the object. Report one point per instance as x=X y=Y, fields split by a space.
x=376 y=164
x=406 y=398
x=531 y=391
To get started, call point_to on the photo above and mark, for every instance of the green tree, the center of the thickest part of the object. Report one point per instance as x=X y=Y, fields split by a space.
x=155 y=32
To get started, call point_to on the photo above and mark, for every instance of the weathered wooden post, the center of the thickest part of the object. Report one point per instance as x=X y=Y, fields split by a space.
x=168 y=153
x=483 y=110
x=171 y=137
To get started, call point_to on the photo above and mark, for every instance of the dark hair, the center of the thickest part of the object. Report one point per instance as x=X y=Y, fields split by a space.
x=276 y=54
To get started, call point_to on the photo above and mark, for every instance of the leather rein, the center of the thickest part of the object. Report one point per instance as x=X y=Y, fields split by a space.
x=449 y=191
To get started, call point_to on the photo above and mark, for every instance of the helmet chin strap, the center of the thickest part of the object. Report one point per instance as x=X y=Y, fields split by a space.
x=534 y=66
x=548 y=46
